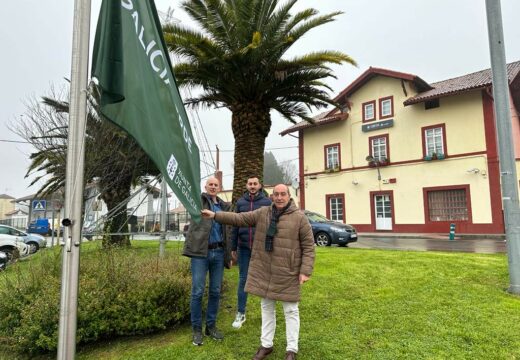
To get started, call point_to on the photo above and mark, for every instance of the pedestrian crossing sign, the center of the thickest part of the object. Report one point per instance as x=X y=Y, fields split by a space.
x=39 y=205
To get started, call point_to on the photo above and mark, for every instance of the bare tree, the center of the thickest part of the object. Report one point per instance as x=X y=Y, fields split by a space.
x=113 y=159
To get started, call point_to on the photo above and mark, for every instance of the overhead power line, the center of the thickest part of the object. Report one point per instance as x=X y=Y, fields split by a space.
x=204 y=151
x=233 y=150
x=15 y=141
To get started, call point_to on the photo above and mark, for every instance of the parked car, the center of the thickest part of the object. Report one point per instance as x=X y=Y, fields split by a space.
x=327 y=232
x=40 y=226
x=3 y=260
x=34 y=241
x=13 y=247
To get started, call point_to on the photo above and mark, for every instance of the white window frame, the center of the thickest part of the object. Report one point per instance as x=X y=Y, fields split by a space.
x=336 y=211
x=379 y=148
x=434 y=141
x=332 y=156
x=365 y=107
x=390 y=112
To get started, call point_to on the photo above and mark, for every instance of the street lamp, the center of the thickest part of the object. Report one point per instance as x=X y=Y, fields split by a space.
x=377 y=163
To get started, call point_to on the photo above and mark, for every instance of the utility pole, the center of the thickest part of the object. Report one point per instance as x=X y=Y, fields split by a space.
x=162 y=241
x=505 y=141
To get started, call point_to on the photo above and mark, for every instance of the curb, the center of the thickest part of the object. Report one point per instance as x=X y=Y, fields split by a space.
x=437 y=236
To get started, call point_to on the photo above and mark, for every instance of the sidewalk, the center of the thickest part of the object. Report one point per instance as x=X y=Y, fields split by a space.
x=438 y=236
x=475 y=243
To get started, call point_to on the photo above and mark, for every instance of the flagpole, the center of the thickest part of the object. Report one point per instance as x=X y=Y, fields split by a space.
x=74 y=182
x=508 y=177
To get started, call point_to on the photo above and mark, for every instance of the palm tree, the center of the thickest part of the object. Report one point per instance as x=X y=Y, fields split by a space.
x=237 y=58
x=113 y=159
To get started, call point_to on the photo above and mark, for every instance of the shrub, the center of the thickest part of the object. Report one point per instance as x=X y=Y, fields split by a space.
x=121 y=292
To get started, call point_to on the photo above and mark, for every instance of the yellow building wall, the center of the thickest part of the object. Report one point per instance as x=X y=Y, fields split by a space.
x=463 y=118
x=407 y=191
x=315 y=140
x=6 y=206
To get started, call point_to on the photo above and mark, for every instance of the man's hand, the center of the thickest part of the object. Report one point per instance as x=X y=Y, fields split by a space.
x=208 y=214
x=234 y=256
x=304 y=278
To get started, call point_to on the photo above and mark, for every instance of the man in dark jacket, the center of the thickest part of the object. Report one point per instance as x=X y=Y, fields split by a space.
x=207 y=246
x=242 y=240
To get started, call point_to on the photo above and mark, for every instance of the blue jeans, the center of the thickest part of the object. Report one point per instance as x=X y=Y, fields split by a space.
x=244 y=255
x=214 y=264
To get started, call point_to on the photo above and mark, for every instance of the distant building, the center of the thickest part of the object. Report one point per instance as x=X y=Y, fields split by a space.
x=17 y=218
x=6 y=205
x=404 y=155
x=35 y=207
x=143 y=208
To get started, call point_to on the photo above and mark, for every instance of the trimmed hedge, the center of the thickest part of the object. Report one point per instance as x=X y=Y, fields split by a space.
x=121 y=292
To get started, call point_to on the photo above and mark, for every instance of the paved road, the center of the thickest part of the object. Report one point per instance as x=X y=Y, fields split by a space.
x=489 y=246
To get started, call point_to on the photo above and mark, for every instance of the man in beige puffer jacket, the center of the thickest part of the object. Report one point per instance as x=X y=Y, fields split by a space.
x=282 y=259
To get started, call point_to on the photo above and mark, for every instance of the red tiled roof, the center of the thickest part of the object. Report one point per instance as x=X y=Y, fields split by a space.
x=332 y=115
x=473 y=81
x=372 y=72
x=319 y=120
x=477 y=80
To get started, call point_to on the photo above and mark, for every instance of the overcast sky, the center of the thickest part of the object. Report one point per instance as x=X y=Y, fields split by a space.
x=435 y=40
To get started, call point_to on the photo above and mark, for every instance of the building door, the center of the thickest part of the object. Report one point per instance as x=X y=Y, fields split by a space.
x=383 y=212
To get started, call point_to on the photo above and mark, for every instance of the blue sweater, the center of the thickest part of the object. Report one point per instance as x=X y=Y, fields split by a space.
x=243 y=236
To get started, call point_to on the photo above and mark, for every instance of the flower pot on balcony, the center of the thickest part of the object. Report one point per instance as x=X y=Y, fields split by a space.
x=332 y=169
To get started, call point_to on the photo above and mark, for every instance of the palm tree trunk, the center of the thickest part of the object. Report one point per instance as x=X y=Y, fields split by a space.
x=251 y=123
x=117 y=192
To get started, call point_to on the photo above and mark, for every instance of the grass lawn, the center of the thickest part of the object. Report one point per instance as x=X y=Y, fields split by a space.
x=364 y=304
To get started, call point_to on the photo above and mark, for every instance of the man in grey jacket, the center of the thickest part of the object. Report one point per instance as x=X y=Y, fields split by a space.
x=207 y=246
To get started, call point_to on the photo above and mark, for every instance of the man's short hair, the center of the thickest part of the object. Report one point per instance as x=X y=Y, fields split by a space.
x=254 y=177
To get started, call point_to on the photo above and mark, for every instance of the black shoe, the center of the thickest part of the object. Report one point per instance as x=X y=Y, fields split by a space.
x=262 y=353
x=214 y=333
x=197 y=337
x=290 y=355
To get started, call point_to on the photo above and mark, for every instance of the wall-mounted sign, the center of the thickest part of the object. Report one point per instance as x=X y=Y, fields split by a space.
x=378 y=125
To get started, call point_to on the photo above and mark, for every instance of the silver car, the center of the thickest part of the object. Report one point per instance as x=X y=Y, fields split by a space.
x=3 y=260
x=13 y=247
x=34 y=241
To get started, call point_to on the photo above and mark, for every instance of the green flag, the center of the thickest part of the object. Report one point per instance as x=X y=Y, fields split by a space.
x=139 y=93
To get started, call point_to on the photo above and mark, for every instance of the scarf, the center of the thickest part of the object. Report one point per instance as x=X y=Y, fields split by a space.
x=271 y=231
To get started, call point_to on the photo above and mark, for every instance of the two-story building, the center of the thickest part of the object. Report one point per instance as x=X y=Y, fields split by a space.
x=404 y=155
